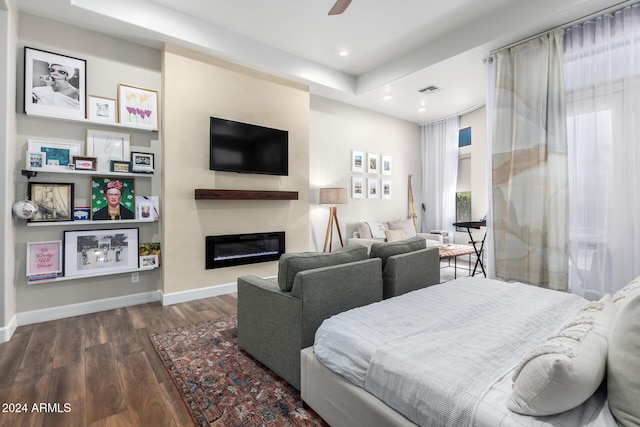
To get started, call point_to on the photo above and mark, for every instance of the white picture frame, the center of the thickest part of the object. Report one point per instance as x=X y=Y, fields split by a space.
x=357 y=161
x=149 y=261
x=44 y=257
x=35 y=159
x=357 y=187
x=100 y=251
x=101 y=109
x=107 y=146
x=373 y=188
x=58 y=154
x=142 y=162
x=386 y=165
x=373 y=163
x=385 y=188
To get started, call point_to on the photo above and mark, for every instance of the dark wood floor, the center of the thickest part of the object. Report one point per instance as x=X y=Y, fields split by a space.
x=99 y=369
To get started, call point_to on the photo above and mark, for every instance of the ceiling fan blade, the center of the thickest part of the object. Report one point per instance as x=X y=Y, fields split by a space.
x=339 y=7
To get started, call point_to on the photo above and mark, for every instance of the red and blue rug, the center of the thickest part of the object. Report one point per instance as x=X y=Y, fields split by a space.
x=224 y=386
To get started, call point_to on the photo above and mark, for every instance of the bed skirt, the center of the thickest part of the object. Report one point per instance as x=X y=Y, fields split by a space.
x=340 y=402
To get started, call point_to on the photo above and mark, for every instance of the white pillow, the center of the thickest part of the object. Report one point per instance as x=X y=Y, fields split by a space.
x=404 y=224
x=568 y=367
x=395 y=235
x=377 y=230
x=623 y=366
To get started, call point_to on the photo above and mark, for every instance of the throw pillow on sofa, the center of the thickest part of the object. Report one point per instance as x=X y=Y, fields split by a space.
x=404 y=224
x=395 y=235
x=291 y=263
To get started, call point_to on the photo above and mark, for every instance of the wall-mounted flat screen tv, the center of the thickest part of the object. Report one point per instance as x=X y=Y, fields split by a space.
x=248 y=148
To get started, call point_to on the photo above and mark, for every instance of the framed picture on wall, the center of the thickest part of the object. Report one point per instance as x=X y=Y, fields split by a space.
x=101 y=109
x=100 y=251
x=44 y=257
x=385 y=190
x=107 y=146
x=54 y=200
x=112 y=198
x=138 y=107
x=55 y=85
x=58 y=155
x=357 y=187
x=373 y=163
x=357 y=161
x=386 y=165
x=373 y=188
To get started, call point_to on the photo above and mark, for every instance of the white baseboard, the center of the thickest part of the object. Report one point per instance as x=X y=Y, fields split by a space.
x=6 y=332
x=54 y=313
x=195 y=294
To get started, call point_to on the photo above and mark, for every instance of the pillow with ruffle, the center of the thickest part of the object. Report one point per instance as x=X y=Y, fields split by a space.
x=566 y=369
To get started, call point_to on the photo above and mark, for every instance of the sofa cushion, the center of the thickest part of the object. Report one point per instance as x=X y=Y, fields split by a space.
x=377 y=229
x=404 y=224
x=291 y=263
x=623 y=364
x=395 y=235
x=364 y=232
x=566 y=369
x=384 y=250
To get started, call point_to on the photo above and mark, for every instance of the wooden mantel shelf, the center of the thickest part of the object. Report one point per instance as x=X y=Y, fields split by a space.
x=204 y=194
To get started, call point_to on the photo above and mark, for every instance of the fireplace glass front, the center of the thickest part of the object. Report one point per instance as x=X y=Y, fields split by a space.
x=239 y=249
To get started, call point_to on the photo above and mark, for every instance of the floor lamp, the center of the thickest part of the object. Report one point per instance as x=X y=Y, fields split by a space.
x=332 y=196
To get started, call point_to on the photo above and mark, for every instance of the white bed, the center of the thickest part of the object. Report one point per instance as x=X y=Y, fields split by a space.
x=440 y=356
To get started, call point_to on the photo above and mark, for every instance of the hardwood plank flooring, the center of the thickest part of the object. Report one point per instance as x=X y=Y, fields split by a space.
x=98 y=370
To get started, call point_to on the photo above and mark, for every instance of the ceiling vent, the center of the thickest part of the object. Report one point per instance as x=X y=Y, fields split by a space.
x=429 y=89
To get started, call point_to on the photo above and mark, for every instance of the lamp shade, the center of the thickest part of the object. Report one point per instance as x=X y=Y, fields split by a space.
x=333 y=196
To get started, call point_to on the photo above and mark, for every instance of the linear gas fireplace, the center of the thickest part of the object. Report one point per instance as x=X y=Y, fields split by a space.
x=238 y=249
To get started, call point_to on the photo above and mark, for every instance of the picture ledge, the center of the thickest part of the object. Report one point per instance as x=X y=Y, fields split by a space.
x=212 y=194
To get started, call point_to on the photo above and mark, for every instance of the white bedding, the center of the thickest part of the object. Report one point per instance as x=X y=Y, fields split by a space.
x=433 y=354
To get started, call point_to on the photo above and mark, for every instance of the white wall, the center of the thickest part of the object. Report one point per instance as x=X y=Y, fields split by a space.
x=335 y=130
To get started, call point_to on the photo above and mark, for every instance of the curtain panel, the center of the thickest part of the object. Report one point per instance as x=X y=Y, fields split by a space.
x=529 y=184
x=439 y=153
x=602 y=75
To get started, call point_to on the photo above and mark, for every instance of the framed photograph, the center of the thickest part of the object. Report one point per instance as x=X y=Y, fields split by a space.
x=373 y=188
x=138 y=107
x=120 y=166
x=54 y=201
x=357 y=187
x=101 y=109
x=146 y=249
x=112 y=198
x=149 y=261
x=107 y=146
x=58 y=154
x=386 y=165
x=385 y=189
x=100 y=251
x=54 y=85
x=82 y=213
x=36 y=159
x=373 y=163
x=142 y=162
x=44 y=257
x=357 y=161
x=84 y=163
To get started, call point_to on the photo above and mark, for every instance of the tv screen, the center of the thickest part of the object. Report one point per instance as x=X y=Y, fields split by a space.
x=243 y=147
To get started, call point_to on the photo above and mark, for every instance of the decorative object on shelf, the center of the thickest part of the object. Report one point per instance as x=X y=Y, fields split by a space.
x=84 y=163
x=357 y=187
x=120 y=166
x=145 y=249
x=81 y=213
x=44 y=258
x=333 y=196
x=25 y=209
x=386 y=165
x=54 y=85
x=107 y=146
x=58 y=155
x=149 y=261
x=141 y=162
x=54 y=201
x=101 y=109
x=373 y=163
x=357 y=161
x=385 y=191
x=147 y=208
x=112 y=198
x=100 y=251
x=138 y=107
x=36 y=159
x=373 y=191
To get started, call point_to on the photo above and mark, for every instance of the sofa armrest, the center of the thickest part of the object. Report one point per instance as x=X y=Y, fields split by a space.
x=332 y=290
x=430 y=236
x=411 y=271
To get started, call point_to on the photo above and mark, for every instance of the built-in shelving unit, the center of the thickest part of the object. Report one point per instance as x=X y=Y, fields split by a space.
x=208 y=194
x=93 y=122
x=30 y=172
x=84 y=276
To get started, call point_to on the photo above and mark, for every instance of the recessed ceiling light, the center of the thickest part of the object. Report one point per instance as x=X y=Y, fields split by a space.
x=343 y=53
x=422 y=109
x=386 y=97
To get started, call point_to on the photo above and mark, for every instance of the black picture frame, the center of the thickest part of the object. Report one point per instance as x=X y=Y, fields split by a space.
x=54 y=201
x=142 y=162
x=120 y=166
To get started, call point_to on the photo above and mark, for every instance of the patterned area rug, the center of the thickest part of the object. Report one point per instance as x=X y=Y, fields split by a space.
x=224 y=386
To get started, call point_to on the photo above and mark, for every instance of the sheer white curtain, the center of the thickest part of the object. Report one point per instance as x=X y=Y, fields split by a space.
x=529 y=156
x=602 y=83
x=490 y=80
x=439 y=147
